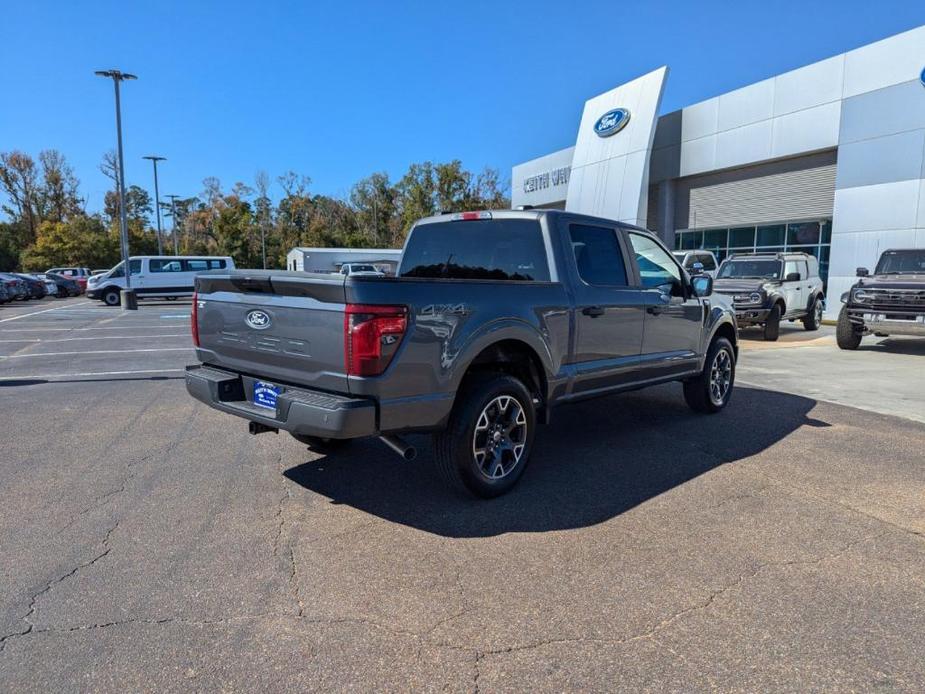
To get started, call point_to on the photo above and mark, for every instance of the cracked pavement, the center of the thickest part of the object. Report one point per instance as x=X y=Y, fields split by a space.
x=149 y=543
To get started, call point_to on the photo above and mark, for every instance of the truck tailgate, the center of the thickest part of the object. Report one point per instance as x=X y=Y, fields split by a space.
x=279 y=326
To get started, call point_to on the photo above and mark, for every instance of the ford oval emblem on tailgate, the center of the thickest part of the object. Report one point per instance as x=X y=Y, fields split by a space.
x=257 y=319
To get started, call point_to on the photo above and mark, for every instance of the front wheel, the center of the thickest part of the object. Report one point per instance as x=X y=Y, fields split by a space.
x=710 y=391
x=813 y=319
x=487 y=442
x=111 y=297
x=772 y=324
x=846 y=335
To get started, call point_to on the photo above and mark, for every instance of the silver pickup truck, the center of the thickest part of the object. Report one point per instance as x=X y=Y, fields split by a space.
x=493 y=320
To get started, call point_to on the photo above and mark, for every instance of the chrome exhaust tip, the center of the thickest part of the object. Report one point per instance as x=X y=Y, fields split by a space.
x=400 y=446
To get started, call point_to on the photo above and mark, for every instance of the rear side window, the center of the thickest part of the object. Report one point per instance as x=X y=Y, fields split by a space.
x=490 y=249
x=597 y=255
x=164 y=265
x=217 y=264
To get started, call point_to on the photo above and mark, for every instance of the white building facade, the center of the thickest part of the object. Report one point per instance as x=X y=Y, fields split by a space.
x=828 y=159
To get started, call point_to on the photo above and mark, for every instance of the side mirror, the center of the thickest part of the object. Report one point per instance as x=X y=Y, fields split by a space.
x=702 y=285
x=862 y=272
x=697 y=268
x=792 y=277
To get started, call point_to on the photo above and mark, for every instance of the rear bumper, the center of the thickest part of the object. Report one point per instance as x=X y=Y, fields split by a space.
x=298 y=410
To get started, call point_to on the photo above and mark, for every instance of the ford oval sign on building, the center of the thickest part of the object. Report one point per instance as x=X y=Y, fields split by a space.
x=612 y=122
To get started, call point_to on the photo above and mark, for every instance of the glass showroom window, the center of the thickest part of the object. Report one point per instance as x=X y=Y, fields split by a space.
x=813 y=237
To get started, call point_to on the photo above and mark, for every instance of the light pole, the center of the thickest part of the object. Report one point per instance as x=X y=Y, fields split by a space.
x=173 y=223
x=157 y=200
x=128 y=298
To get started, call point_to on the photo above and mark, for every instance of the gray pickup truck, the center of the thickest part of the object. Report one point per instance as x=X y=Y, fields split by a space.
x=494 y=318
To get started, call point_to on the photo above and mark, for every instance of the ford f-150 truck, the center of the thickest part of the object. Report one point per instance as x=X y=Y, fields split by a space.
x=493 y=320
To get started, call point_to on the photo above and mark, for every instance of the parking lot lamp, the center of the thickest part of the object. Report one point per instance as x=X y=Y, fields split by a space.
x=129 y=300
x=157 y=200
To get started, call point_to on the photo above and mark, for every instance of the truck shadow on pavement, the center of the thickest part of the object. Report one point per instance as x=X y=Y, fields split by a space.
x=597 y=460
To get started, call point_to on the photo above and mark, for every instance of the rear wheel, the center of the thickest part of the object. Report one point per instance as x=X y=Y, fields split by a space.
x=710 y=391
x=772 y=324
x=813 y=319
x=846 y=335
x=487 y=442
x=111 y=297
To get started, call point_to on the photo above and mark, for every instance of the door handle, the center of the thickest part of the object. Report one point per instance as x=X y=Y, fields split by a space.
x=593 y=311
x=654 y=310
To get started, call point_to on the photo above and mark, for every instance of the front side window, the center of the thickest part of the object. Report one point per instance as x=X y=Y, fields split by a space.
x=119 y=270
x=792 y=266
x=597 y=255
x=196 y=265
x=657 y=269
x=485 y=249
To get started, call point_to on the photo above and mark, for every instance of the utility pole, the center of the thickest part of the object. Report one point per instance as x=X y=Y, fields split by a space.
x=173 y=223
x=128 y=299
x=157 y=200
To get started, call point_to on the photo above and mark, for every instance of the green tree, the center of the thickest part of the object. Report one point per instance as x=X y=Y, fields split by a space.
x=80 y=241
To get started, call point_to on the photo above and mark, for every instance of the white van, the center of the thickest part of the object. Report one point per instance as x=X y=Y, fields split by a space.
x=160 y=276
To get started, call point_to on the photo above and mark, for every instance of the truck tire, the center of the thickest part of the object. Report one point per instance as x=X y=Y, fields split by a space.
x=772 y=324
x=488 y=439
x=813 y=319
x=846 y=335
x=111 y=297
x=319 y=444
x=711 y=390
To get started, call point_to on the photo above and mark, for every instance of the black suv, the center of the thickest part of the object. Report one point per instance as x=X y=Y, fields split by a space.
x=891 y=302
x=769 y=287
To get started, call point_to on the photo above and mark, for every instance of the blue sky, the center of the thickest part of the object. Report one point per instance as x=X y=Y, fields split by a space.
x=339 y=90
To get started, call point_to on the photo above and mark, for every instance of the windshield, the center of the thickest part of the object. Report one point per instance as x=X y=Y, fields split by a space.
x=911 y=262
x=500 y=249
x=362 y=268
x=750 y=269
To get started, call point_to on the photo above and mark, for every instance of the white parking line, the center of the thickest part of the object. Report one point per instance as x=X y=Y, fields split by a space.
x=99 y=337
x=91 y=373
x=35 y=313
x=99 y=351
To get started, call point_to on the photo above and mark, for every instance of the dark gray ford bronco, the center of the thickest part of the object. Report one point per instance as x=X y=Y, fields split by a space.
x=767 y=288
x=889 y=302
x=494 y=318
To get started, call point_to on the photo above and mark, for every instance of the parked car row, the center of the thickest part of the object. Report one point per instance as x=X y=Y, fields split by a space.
x=21 y=286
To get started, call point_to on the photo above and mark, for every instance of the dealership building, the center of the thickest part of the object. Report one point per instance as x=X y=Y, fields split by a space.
x=828 y=159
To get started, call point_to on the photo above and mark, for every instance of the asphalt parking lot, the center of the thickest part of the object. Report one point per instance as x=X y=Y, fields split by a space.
x=150 y=543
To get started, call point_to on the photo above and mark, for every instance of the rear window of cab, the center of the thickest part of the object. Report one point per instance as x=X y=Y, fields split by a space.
x=489 y=249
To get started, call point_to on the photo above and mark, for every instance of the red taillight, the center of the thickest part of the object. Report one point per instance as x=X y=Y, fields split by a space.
x=371 y=337
x=194 y=319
